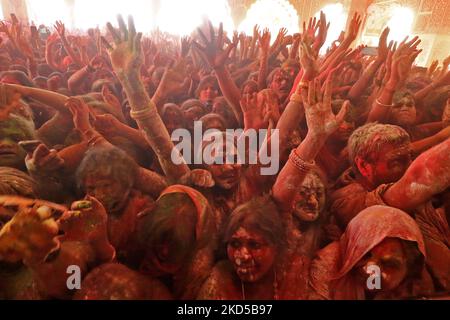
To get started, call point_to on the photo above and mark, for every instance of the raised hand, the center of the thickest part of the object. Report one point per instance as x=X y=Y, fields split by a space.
x=353 y=31
x=319 y=115
x=264 y=41
x=212 y=50
x=323 y=32
x=126 y=55
x=43 y=161
x=308 y=60
x=80 y=112
x=185 y=46
x=383 y=48
x=30 y=236
x=60 y=28
x=173 y=81
x=201 y=178
x=433 y=67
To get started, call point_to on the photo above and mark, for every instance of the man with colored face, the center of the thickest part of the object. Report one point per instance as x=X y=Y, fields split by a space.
x=281 y=83
x=385 y=175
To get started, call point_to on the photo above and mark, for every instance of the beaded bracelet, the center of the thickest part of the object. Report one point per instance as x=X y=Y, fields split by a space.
x=299 y=163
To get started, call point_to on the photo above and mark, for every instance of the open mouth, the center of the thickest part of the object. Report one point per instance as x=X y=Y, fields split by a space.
x=245 y=271
x=5 y=152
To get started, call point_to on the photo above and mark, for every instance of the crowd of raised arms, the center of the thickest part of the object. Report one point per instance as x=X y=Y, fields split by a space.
x=359 y=208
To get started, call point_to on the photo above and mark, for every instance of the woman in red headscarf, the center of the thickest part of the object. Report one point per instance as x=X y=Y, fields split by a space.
x=179 y=240
x=380 y=256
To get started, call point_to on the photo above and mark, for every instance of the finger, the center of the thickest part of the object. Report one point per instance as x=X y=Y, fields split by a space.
x=113 y=33
x=220 y=37
x=343 y=112
x=138 y=43
x=122 y=27
x=132 y=29
x=106 y=44
x=328 y=92
x=212 y=33
x=311 y=93
x=318 y=90
x=202 y=36
x=40 y=152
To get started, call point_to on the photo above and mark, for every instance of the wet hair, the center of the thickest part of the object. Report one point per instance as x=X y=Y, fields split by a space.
x=260 y=214
x=16 y=182
x=370 y=138
x=172 y=221
x=108 y=161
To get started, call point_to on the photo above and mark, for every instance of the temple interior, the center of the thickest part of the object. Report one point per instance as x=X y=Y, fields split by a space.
x=224 y=150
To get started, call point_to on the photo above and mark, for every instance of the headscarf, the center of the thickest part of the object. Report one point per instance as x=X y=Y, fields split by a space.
x=195 y=271
x=368 y=229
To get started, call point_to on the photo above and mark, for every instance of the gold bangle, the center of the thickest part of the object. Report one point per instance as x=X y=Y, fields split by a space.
x=141 y=114
x=383 y=105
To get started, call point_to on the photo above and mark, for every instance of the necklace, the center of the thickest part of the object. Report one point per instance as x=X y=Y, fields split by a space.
x=275 y=287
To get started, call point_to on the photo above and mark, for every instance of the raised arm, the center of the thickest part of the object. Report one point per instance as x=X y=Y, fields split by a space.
x=294 y=112
x=365 y=80
x=264 y=42
x=61 y=29
x=428 y=175
x=216 y=56
x=402 y=61
x=127 y=59
x=49 y=98
x=321 y=123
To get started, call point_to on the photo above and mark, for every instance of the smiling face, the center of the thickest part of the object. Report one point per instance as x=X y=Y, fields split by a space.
x=310 y=199
x=251 y=255
x=403 y=113
x=390 y=256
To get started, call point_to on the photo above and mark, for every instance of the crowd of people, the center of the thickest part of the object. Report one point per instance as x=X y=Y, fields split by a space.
x=359 y=209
